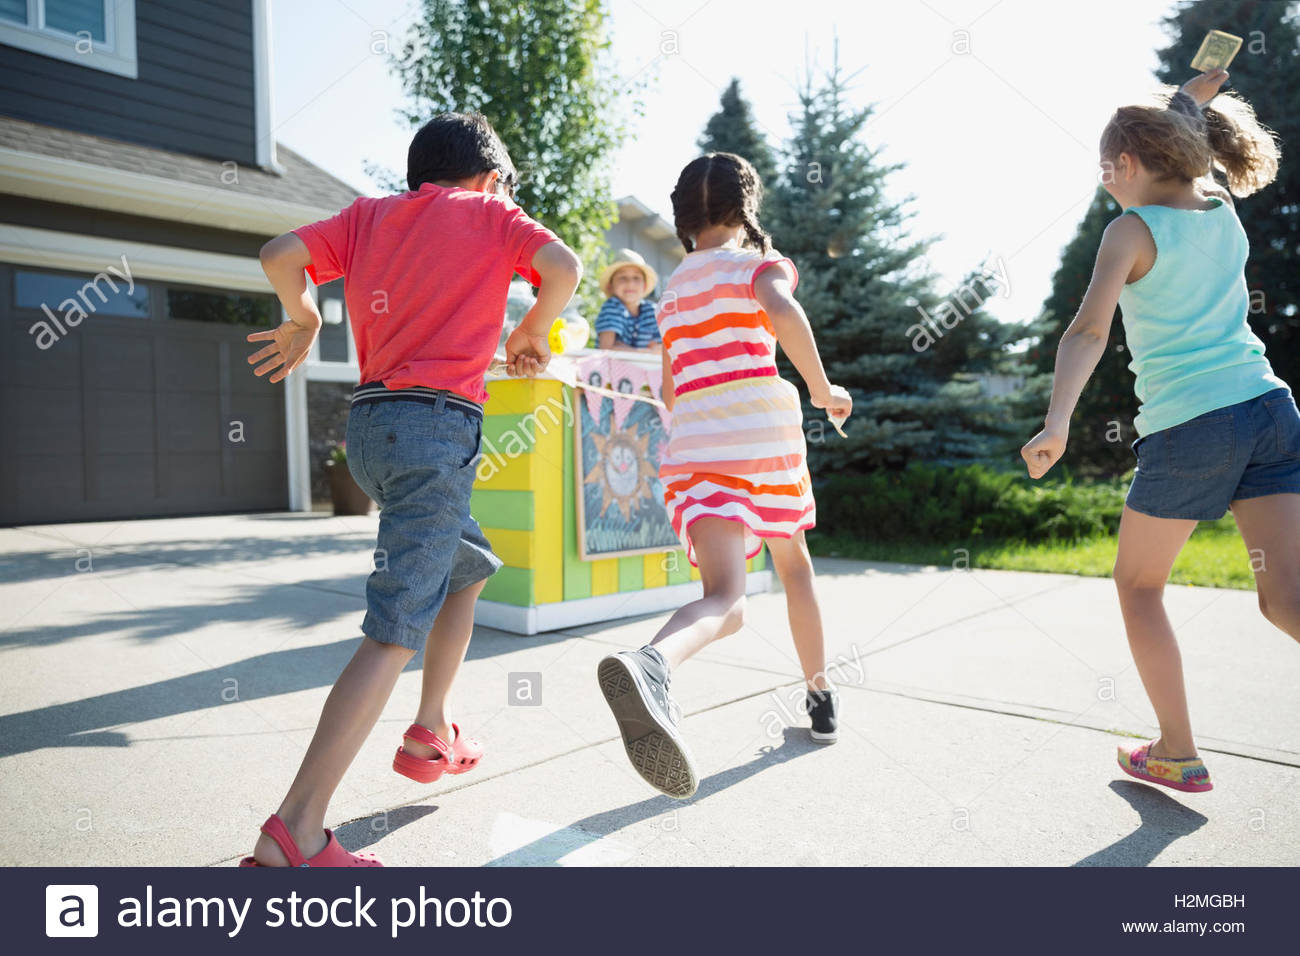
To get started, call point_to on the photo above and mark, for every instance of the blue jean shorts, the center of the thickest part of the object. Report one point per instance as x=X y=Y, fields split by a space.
x=416 y=457
x=1197 y=469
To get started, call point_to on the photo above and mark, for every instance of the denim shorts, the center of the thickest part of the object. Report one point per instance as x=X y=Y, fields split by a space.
x=416 y=457
x=1196 y=469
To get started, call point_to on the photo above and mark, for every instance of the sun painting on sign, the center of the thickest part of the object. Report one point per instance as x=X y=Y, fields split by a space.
x=622 y=470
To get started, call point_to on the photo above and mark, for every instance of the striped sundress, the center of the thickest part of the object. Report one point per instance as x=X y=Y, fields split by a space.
x=736 y=446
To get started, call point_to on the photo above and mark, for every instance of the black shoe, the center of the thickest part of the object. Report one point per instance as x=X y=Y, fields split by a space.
x=821 y=706
x=635 y=685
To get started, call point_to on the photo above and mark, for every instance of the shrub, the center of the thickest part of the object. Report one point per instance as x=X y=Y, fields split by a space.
x=962 y=504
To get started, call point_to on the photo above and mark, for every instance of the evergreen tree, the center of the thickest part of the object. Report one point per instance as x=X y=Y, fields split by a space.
x=908 y=355
x=733 y=130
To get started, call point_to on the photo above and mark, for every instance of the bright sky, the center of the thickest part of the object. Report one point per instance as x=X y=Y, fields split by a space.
x=999 y=142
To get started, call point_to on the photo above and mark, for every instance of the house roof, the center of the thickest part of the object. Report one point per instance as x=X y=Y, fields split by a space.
x=651 y=228
x=631 y=209
x=63 y=165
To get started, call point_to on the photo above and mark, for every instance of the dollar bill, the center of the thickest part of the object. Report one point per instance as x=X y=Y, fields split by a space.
x=1216 y=52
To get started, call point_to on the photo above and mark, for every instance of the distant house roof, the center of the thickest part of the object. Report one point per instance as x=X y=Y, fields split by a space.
x=643 y=230
x=655 y=226
x=66 y=166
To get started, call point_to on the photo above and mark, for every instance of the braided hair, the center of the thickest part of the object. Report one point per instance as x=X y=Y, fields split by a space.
x=719 y=189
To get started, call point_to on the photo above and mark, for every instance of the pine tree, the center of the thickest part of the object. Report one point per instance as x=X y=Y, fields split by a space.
x=1266 y=72
x=877 y=315
x=733 y=130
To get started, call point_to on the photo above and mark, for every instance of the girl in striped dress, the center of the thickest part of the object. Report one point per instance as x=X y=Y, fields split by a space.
x=734 y=471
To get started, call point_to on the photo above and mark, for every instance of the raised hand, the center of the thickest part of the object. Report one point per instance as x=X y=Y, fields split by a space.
x=1204 y=86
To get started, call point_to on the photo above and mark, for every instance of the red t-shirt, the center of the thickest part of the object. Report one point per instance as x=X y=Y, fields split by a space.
x=427 y=276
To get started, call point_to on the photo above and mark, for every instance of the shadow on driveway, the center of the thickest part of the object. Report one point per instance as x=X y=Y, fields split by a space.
x=1163 y=818
x=79 y=723
x=548 y=850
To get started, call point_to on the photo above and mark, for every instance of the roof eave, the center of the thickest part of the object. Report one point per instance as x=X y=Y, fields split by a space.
x=102 y=187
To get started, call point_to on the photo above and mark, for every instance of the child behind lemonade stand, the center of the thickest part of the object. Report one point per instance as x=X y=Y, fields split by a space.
x=443 y=254
x=627 y=320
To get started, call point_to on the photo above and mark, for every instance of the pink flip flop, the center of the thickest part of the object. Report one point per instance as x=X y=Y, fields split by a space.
x=332 y=855
x=1187 y=774
x=458 y=757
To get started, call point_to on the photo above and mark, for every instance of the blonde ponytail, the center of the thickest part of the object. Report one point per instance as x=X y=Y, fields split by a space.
x=1243 y=148
x=1173 y=145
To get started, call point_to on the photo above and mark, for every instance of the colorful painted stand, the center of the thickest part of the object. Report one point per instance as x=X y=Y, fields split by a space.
x=525 y=501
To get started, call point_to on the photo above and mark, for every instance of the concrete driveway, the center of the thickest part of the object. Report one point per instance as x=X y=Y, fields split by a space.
x=161 y=679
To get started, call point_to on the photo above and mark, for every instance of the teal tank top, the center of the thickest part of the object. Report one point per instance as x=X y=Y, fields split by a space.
x=1185 y=320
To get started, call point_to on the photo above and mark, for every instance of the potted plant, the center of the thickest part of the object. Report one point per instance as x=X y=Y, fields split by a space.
x=346 y=494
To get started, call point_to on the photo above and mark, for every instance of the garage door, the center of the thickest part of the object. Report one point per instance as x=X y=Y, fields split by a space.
x=127 y=399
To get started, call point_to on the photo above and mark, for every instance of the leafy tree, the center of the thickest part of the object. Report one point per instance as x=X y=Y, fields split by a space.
x=541 y=73
x=870 y=302
x=733 y=130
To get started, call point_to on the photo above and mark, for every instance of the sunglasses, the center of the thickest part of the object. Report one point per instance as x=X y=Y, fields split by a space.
x=507 y=183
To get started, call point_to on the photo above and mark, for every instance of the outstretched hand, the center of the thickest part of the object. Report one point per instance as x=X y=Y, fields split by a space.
x=1205 y=86
x=290 y=345
x=1044 y=450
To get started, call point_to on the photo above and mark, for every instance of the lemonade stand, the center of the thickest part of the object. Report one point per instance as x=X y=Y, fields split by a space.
x=568 y=494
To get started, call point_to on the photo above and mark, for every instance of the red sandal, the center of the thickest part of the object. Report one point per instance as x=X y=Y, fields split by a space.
x=332 y=855
x=461 y=755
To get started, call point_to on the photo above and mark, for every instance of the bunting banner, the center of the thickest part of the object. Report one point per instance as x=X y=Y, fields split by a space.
x=600 y=377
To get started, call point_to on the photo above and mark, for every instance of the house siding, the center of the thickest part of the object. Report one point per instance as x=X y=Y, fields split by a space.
x=194 y=92
x=39 y=214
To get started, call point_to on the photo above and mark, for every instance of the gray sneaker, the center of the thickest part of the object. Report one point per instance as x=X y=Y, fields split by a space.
x=635 y=685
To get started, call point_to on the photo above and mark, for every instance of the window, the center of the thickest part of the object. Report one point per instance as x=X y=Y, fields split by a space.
x=334 y=333
x=224 y=308
x=99 y=34
x=103 y=294
x=75 y=16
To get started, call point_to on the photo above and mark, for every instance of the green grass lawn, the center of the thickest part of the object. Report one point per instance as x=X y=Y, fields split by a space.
x=1214 y=557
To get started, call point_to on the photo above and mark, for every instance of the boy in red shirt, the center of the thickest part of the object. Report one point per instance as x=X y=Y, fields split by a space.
x=427 y=273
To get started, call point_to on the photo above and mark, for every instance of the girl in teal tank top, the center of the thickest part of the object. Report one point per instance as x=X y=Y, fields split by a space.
x=1185 y=319
x=1216 y=428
